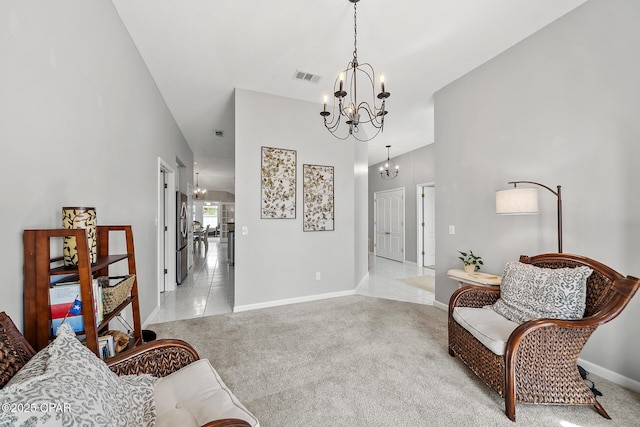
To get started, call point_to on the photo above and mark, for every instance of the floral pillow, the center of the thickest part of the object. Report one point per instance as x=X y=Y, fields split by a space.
x=529 y=292
x=69 y=385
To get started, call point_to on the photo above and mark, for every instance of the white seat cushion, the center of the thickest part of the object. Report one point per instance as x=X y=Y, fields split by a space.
x=195 y=395
x=487 y=326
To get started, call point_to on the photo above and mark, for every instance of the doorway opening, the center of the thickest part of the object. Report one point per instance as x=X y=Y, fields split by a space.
x=166 y=222
x=426 y=227
x=388 y=223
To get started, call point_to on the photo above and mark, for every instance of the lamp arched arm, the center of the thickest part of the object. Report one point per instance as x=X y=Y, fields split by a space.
x=558 y=194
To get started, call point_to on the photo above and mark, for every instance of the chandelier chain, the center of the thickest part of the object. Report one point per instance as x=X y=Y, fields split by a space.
x=355 y=33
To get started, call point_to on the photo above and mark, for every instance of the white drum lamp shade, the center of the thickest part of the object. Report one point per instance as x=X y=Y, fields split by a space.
x=517 y=201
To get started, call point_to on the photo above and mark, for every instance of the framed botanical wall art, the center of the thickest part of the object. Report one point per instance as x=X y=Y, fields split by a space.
x=318 y=190
x=278 y=183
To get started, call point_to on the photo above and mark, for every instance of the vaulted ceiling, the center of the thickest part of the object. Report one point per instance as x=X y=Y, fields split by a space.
x=199 y=51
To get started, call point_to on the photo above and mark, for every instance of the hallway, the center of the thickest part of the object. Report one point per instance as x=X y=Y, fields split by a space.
x=209 y=286
x=207 y=289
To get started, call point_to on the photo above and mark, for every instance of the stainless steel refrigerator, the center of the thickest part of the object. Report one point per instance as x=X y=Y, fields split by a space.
x=182 y=241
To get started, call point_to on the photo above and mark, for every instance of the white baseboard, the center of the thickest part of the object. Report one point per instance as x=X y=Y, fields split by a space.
x=276 y=303
x=149 y=319
x=441 y=306
x=607 y=374
x=364 y=281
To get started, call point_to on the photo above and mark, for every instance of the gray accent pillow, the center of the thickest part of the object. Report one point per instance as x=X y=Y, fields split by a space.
x=69 y=385
x=529 y=292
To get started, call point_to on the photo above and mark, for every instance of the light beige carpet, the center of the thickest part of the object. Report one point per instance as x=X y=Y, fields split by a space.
x=428 y=283
x=360 y=361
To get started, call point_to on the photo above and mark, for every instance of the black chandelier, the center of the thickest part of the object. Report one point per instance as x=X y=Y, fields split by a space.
x=390 y=169
x=346 y=106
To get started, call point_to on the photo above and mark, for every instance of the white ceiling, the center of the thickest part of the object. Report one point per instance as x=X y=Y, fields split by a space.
x=198 y=51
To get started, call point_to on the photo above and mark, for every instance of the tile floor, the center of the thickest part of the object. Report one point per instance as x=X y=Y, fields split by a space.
x=382 y=281
x=208 y=288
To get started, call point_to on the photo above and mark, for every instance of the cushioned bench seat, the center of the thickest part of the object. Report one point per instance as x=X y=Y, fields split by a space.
x=160 y=383
x=487 y=326
x=195 y=395
x=523 y=339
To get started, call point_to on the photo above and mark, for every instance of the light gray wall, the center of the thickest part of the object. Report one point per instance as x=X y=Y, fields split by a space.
x=81 y=123
x=361 y=172
x=219 y=196
x=559 y=108
x=277 y=260
x=416 y=167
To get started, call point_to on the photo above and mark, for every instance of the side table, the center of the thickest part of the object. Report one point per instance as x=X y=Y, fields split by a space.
x=476 y=278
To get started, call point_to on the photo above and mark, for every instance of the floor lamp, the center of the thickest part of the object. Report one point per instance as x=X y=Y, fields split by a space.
x=522 y=201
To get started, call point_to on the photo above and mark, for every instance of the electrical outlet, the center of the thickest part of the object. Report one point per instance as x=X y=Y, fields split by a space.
x=317 y=275
x=452 y=229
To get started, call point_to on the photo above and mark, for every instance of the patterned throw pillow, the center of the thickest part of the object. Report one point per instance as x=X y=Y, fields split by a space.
x=529 y=292
x=75 y=388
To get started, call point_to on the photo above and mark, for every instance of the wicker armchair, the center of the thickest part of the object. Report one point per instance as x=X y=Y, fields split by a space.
x=540 y=361
x=158 y=358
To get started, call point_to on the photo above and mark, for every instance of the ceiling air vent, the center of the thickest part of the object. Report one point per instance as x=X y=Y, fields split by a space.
x=306 y=77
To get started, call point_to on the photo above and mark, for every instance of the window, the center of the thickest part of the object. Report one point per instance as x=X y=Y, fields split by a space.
x=210 y=216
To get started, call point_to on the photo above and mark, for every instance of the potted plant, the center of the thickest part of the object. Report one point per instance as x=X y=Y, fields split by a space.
x=471 y=261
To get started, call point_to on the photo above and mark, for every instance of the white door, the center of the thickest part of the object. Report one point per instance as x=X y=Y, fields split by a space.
x=428 y=226
x=227 y=216
x=164 y=229
x=389 y=224
x=381 y=223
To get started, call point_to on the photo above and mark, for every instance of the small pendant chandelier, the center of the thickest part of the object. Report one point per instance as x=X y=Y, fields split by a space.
x=390 y=169
x=199 y=192
x=346 y=107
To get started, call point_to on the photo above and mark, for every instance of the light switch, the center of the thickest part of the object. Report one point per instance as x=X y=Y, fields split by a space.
x=245 y=230
x=452 y=229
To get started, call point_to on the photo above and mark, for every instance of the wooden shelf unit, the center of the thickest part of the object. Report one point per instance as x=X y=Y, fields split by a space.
x=38 y=271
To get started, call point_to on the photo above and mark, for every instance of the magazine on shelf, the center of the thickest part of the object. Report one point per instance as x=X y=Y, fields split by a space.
x=65 y=300
x=61 y=298
x=106 y=346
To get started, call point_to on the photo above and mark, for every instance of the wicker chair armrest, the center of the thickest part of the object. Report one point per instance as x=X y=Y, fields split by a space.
x=625 y=289
x=545 y=341
x=473 y=296
x=229 y=422
x=540 y=326
x=15 y=350
x=157 y=358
